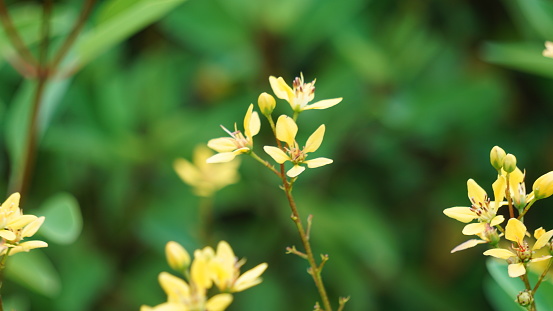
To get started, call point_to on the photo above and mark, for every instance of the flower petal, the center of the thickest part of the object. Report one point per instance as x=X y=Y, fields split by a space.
x=497 y=220
x=474 y=228
x=277 y=154
x=30 y=229
x=314 y=141
x=286 y=130
x=515 y=230
x=222 y=157
x=476 y=193
x=249 y=278
x=8 y=235
x=218 y=302
x=467 y=244
x=173 y=286
x=295 y=171
x=516 y=270
x=500 y=253
x=323 y=104
x=543 y=239
x=317 y=162
x=222 y=144
x=460 y=213
x=281 y=89
x=27 y=246
x=252 y=124
x=499 y=189
x=542 y=258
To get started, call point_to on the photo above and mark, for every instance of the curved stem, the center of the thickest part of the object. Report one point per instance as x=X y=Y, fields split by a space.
x=542 y=276
x=315 y=269
x=22 y=51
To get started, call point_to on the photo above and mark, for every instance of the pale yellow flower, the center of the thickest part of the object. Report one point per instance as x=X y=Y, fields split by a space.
x=286 y=130
x=548 y=52
x=206 y=178
x=300 y=94
x=482 y=208
x=521 y=254
x=225 y=268
x=177 y=257
x=489 y=235
x=237 y=143
x=14 y=227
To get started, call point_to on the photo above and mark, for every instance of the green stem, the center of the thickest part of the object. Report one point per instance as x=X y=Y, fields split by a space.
x=542 y=276
x=526 y=208
x=2 y=267
x=206 y=219
x=315 y=269
x=265 y=163
x=529 y=288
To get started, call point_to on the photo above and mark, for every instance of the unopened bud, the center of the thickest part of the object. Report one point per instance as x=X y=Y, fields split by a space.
x=509 y=163
x=525 y=298
x=266 y=103
x=543 y=186
x=490 y=235
x=177 y=257
x=496 y=157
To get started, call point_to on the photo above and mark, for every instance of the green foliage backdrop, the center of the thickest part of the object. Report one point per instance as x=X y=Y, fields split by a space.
x=429 y=87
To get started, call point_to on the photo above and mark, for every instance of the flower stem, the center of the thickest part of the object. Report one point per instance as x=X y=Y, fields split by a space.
x=542 y=276
x=315 y=269
x=509 y=199
x=526 y=208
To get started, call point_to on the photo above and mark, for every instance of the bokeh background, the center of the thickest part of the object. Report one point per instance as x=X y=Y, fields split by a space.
x=429 y=88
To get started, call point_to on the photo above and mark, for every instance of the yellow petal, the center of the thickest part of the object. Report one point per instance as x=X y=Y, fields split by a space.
x=249 y=278
x=323 y=104
x=280 y=88
x=30 y=229
x=173 y=286
x=314 y=141
x=500 y=253
x=539 y=232
x=542 y=240
x=21 y=221
x=199 y=270
x=27 y=246
x=475 y=228
x=8 y=235
x=225 y=253
x=499 y=188
x=187 y=171
x=543 y=186
x=218 y=302
x=515 y=230
x=317 y=162
x=295 y=171
x=222 y=144
x=467 y=244
x=516 y=270
x=278 y=155
x=460 y=213
x=476 y=193
x=252 y=124
x=222 y=157
x=286 y=130
x=497 y=220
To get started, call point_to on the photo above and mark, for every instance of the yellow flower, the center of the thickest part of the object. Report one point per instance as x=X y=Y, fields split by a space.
x=286 y=130
x=521 y=255
x=482 y=208
x=206 y=178
x=300 y=95
x=237 y=143
x=548 y=52
x=14 y=227
x=225 y=269
x=489 y=235
x=543 y=186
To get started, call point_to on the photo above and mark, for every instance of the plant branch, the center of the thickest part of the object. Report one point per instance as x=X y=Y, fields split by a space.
x=22 y=51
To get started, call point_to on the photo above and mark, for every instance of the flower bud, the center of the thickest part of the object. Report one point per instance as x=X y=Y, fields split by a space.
x=177 y=257
x=543 y=186
x=525 y=298
x=496 y=157
x=509 y=163
x=266 y=103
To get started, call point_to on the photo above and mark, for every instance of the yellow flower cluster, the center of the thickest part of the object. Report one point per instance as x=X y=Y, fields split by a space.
x=15 y=226
x=509 y=190
x=299 y=97
x=209 y=268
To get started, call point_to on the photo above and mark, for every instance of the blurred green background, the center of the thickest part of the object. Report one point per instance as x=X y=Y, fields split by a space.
x=429 y=88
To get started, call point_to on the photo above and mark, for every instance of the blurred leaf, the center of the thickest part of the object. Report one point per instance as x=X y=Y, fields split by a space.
x=539 y=14
x=522 y=56
x=34 y=271
x=118 y=27
x=64 y=221
x=498 y=297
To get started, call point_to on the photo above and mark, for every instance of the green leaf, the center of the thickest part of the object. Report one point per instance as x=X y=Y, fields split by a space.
x=522 y=56
x=64 y=221
x=34 y=271
x=118 y=25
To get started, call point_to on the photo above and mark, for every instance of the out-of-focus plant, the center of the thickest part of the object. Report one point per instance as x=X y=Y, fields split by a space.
x=210 y=268
x=510 y=190
x=286 y=153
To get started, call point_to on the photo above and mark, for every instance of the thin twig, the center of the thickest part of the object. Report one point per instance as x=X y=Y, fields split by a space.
x=22 y=51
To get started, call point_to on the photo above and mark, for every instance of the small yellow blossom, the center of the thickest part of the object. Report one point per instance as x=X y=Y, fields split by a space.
x=300 y=94
x=497 y=154
x=14 y=227
x=177 y=257
x=237 y=143
x=225 y=269
x=489 y=235
x=206 y=178
x=286 y=130
x=266 y=103
x=521 y=254
x=482 y=208
x=548 y=52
